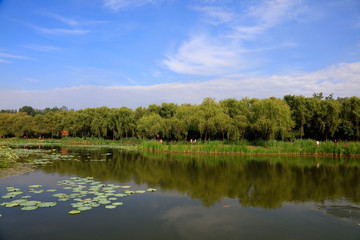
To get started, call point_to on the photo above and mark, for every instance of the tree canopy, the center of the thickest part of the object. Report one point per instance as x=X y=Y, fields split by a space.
x=290 y=118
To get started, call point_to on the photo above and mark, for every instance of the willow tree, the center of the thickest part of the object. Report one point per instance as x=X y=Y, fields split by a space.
x=208 y=115
x=150 y=126
x=271 y=118
x=350 y=118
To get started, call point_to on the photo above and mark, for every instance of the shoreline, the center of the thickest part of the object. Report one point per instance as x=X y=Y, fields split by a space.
x=272 y=148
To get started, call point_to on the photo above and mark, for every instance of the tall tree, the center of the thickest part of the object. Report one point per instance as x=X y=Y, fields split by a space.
x=272 y=118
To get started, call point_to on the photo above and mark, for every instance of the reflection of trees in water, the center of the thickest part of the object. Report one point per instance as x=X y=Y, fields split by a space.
x=256 y=181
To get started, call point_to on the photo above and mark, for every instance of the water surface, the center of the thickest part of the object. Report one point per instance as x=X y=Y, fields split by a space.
x=197 y=197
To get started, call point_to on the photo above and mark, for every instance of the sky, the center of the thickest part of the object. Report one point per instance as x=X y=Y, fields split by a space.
x=114 y=53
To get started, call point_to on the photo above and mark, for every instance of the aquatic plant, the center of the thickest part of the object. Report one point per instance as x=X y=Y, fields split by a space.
x=86 y=194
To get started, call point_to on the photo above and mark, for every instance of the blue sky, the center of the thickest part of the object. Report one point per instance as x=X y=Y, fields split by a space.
x=114 y=53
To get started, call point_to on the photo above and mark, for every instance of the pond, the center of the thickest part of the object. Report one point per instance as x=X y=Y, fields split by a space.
x=180 y=196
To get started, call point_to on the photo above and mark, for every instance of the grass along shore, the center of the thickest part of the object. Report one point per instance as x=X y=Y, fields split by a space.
x=272 y=147
x=299 y=147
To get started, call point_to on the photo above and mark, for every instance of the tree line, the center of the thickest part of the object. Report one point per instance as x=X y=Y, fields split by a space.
x=290 y=118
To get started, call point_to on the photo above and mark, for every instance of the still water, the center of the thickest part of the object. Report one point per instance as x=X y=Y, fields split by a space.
x=197 y=197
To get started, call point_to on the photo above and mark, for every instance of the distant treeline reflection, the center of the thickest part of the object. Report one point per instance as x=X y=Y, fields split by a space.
x=265 y=182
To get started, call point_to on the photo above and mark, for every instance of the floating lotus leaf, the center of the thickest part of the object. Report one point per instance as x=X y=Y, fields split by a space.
x=12 y=204
x=113 y=199
x=129 y=192
x=110 y=206
x=74 y=212
x=35 y=186
x=29 y=203
x=51 y=190
x=67 y=187
x=140 y=191
x=125 y=186
x=104 y=202
x=7 y=196
x=47 y=204
x=26 y=197
x=120 y=195
x=151 y=189
x=19 y=201
x=59 y=195
x=63 y=199
x=0 y=215
x=85 y=208
x=117 y=203
x=39 y=191
x=28 y=208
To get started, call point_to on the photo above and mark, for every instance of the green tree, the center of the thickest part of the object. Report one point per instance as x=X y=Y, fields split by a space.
x=299 y=112
x=150 y=126
x=350 y=118
x=272 y=118
x=208 y=114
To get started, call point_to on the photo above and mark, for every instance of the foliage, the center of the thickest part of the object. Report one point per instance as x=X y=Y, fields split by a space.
x=291 y=118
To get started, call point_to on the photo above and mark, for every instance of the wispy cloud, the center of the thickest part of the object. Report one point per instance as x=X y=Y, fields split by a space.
x=117 y=5
x=72 y=21
x=43 y=48
x=7 y=55
x=66 y=20
x=341 y=79
x=4 y=57
x=60 y=31
x=4 y=61
x=32 y=80
x=257 y=19
x=216 y=15
x=200 y=56
x=224 y=52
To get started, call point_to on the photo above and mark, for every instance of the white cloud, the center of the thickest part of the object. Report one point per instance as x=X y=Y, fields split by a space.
x=32 y=80
x=4 y=61
x=266 y=15
x=116 y=5
x=66 y=20
x=201 y=56
x=341 y=79
x=216 y=15
x=43 y=48
x=5 y=56
x=72 y=21
x=58 y=31
x=223 y=52
x=61 y=31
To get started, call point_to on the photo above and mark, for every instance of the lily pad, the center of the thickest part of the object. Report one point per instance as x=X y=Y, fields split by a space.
x=74 y=212
x=51 y=190
x=63 y=199
x=35 y=186
x=110 y=206
x=85 y=208
x=12 y=204
x=151 y=189
x=29 y=208
x=140 y=191
x=47 y=204
x=30 y=203
x=117 y=203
